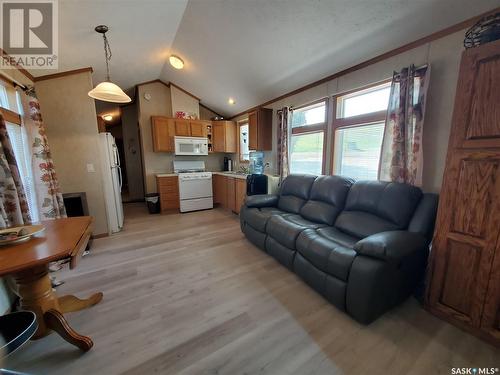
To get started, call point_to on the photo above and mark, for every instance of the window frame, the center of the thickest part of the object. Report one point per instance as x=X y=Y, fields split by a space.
x=311 y=129
x=241 y=123
x=9 y=115
x=353 y=121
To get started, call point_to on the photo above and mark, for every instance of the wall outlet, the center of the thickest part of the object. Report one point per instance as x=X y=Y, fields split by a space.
x=90 y=168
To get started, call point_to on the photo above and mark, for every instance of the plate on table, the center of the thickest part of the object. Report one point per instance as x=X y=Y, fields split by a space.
x=22 y=233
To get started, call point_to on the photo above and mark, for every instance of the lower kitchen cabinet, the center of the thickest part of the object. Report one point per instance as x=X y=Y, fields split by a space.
x=229 y=192
x=240 y=194
x=168 y=189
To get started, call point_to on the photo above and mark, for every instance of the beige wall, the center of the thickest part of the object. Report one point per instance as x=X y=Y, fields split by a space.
x=160 y=104
x=206 y=114
x=70 y=118
x=183 y=102
x=443 y=55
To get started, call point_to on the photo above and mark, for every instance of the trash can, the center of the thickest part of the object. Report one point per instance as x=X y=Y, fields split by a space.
x=153 y=202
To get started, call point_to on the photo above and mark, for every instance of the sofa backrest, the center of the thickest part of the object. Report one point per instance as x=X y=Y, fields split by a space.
x=326 y=199
x=294 y=192
x=376 y=206
x=425 y=216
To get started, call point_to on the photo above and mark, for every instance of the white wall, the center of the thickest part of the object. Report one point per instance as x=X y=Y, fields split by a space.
x=443 y=55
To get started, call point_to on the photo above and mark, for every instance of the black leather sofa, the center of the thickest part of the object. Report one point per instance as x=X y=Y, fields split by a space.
x=362 y=245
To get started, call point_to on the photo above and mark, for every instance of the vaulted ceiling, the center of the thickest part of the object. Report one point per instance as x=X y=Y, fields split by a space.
x=251 y=50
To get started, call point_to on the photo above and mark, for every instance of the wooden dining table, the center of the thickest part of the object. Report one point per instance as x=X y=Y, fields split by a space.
x=28 y=263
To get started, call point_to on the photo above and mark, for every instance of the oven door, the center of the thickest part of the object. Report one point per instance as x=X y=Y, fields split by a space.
x=191 y=187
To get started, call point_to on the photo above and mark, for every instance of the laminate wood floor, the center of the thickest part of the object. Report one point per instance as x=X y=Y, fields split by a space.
x=188 y=294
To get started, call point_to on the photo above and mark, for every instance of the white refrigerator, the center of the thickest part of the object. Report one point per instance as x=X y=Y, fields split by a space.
x=112 y=179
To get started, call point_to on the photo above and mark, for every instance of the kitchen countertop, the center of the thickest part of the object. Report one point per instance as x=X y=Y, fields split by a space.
x=227 y=174
x=241 y=176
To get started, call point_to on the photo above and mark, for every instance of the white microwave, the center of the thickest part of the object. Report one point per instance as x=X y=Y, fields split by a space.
x=191 y=146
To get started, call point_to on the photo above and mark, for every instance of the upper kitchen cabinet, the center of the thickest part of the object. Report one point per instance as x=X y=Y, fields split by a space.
x=182 y=128
x=199 y=128
x=260 y=129
x=163 y=130
x=224 y=136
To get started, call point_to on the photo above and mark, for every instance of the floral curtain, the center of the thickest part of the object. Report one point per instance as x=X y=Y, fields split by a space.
x=13 y=203
x=283 y=131
x=401 y=158
x=49 y=198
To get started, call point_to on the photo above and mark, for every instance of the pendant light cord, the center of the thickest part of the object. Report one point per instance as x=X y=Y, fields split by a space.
x=107 y=55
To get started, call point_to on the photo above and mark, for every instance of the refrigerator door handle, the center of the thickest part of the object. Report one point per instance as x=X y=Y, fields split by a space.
x=120 y=177
x=116 y=156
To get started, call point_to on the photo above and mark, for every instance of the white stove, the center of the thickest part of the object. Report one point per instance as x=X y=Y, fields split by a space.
x=195 y=186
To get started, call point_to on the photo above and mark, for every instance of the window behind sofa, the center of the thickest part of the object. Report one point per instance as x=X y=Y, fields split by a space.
x=307 y=142
x=359 y=124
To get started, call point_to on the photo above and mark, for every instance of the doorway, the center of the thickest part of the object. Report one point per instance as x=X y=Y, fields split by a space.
x=121 y=122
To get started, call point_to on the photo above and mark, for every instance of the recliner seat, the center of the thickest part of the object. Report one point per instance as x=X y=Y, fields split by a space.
x=363 y=245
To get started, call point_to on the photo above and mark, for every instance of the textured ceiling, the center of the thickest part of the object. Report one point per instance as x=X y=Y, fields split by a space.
x=140 y=33
x=252 y=50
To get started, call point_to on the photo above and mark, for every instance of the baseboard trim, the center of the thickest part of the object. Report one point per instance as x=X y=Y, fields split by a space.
x=100 y=235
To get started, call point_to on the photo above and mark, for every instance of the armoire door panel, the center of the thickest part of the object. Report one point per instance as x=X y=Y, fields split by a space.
x=475 y=192
x=462 y=265
x=484 y=113
x=490 y=320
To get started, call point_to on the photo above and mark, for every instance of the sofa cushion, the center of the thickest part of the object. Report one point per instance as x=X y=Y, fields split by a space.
x=337 y=236
x=294 y=192
x=327 y=199
x=325 y=254
x=258 y=217
x=286 y=229
x=376 y=206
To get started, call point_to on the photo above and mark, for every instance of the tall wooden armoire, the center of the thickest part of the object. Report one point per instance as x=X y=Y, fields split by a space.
x=464 y=271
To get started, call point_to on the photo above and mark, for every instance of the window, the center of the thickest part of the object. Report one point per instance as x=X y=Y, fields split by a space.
x=308 y=125
x=4 y=99
x=244 y=150
x=359 y=129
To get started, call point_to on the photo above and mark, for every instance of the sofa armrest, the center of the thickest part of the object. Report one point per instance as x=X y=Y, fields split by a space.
x=392 y=246
x=264 y=200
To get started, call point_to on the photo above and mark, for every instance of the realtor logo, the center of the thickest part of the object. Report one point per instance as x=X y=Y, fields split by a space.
x=29 y=33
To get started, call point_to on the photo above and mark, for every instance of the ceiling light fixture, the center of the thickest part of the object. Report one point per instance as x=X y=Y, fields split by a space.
x=231 y=101
x=176 y=62
x=107 y=117
x=108 y=91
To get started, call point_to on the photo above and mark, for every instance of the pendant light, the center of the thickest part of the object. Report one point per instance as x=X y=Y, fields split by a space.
x=108 y=91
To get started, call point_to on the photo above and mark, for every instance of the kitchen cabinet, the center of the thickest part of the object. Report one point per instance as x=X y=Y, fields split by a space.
x=260 y=129
x=199 y=128
x=182 y=128
x=224 y=136
x=219 y=189
x=163 y=131
x=229 y=192
x=240 y=194
x=168 y=189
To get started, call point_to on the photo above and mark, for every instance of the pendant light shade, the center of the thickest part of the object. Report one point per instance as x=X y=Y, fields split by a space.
x=109 y=92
